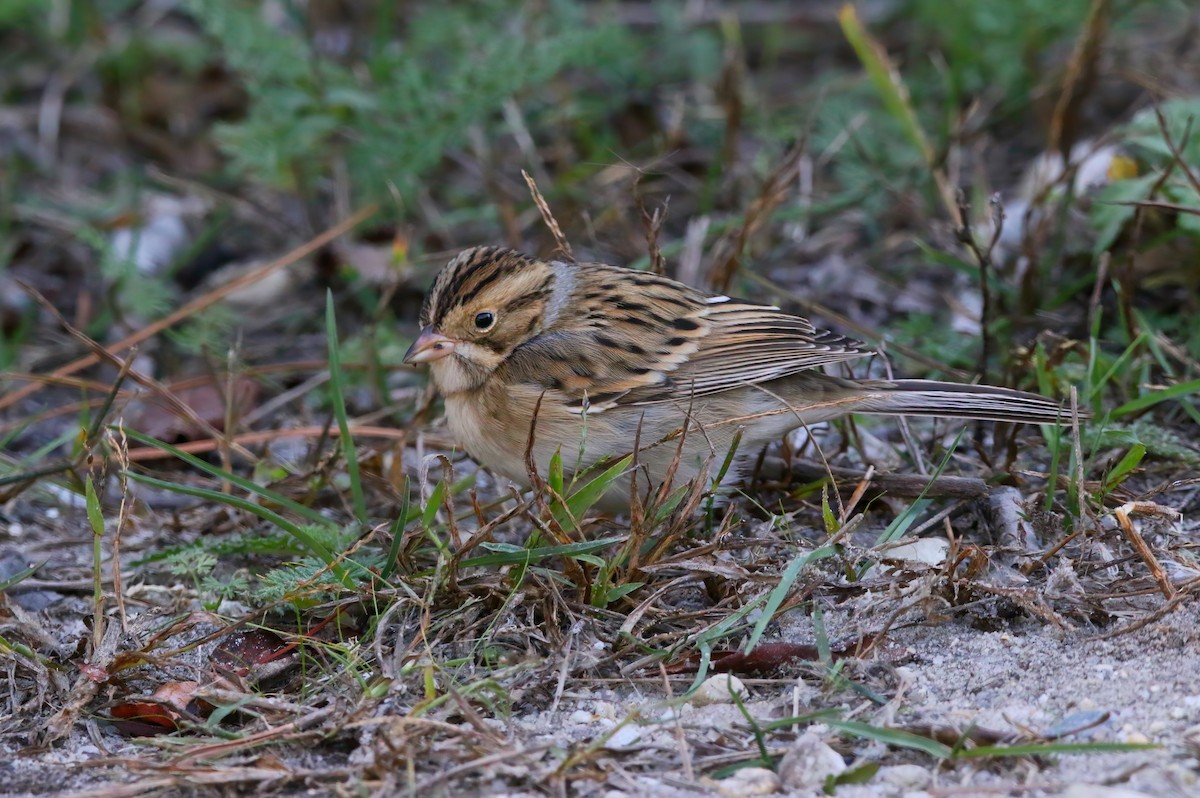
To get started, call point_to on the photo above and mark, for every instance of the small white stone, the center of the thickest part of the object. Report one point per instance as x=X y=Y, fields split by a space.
x=580 y=716
x=928 y=551
x=605 y=709
x=623 y=737
x=905 y=777
x=809 y=763
x=718 y=689
x=746 y=782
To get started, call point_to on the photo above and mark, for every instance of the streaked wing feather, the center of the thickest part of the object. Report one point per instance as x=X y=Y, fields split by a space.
x=748 y=344
x=634 y=339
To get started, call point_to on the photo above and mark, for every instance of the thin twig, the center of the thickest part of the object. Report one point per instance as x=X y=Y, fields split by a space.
x=560 y=240
x=1177 y=149
x=1139 y=545
x=1080 y=77
x=198 y=304
x=983 y=256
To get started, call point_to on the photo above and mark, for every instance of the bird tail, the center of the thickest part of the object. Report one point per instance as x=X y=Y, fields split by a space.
x=954 y=400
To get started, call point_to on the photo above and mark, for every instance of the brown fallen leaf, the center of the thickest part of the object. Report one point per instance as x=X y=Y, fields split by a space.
x=209 y=401
x=160 y=713
x=246 y=648
x=769 y=657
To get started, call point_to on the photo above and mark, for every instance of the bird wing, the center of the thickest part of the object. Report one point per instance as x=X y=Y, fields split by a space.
x=643 y=339
x=749 y=343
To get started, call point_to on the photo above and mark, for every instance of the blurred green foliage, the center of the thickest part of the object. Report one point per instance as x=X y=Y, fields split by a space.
x=391 y=111
x=962 y=50
x=384 y=101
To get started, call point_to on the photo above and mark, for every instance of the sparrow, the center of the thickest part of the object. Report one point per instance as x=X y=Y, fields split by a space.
x=584 y=359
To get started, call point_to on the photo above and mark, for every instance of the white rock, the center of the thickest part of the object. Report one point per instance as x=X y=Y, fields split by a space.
x=748 y=781
x=718 y=689
x=623 y=737
x=152 y=246
x=905 y=777
x=605 y=709
x=928 y=551
x=809 y=763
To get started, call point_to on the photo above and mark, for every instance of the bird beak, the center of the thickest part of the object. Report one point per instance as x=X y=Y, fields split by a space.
x=429 y=346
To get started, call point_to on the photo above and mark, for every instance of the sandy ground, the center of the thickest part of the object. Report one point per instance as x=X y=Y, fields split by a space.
x=1023 y=675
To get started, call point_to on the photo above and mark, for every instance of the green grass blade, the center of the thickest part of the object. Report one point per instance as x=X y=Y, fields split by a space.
x=1125 y=466
x=436 y=497
x=1046 y=749
x=780 y=591
x=20 y=576
x=704 y=642
x=901 y=523
x=821 y=715
x=398 y=526
x=554 y=474
x=719 y=479
x=885 y=79
x=583 y=499
x=1154 y=397
x=1119 y=366
x=247 y=485
x=338 y=395
x=507 y=554
x=892 y=737
x=94 y=514
x=299 y=533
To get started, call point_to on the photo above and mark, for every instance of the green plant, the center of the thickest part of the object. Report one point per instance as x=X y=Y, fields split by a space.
x=1171 y=151
x=387 y=113
x=988 y=51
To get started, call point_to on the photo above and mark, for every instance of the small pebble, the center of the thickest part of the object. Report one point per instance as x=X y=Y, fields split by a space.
x=747 y=782
x=906 y=777
x=809 y=763
x=718 y=689
x=623 y=737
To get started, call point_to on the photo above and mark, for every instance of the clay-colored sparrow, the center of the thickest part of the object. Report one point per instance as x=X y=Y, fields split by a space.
x=608 y=350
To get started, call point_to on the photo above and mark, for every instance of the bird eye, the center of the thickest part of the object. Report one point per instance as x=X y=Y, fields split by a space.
x=485 y=320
